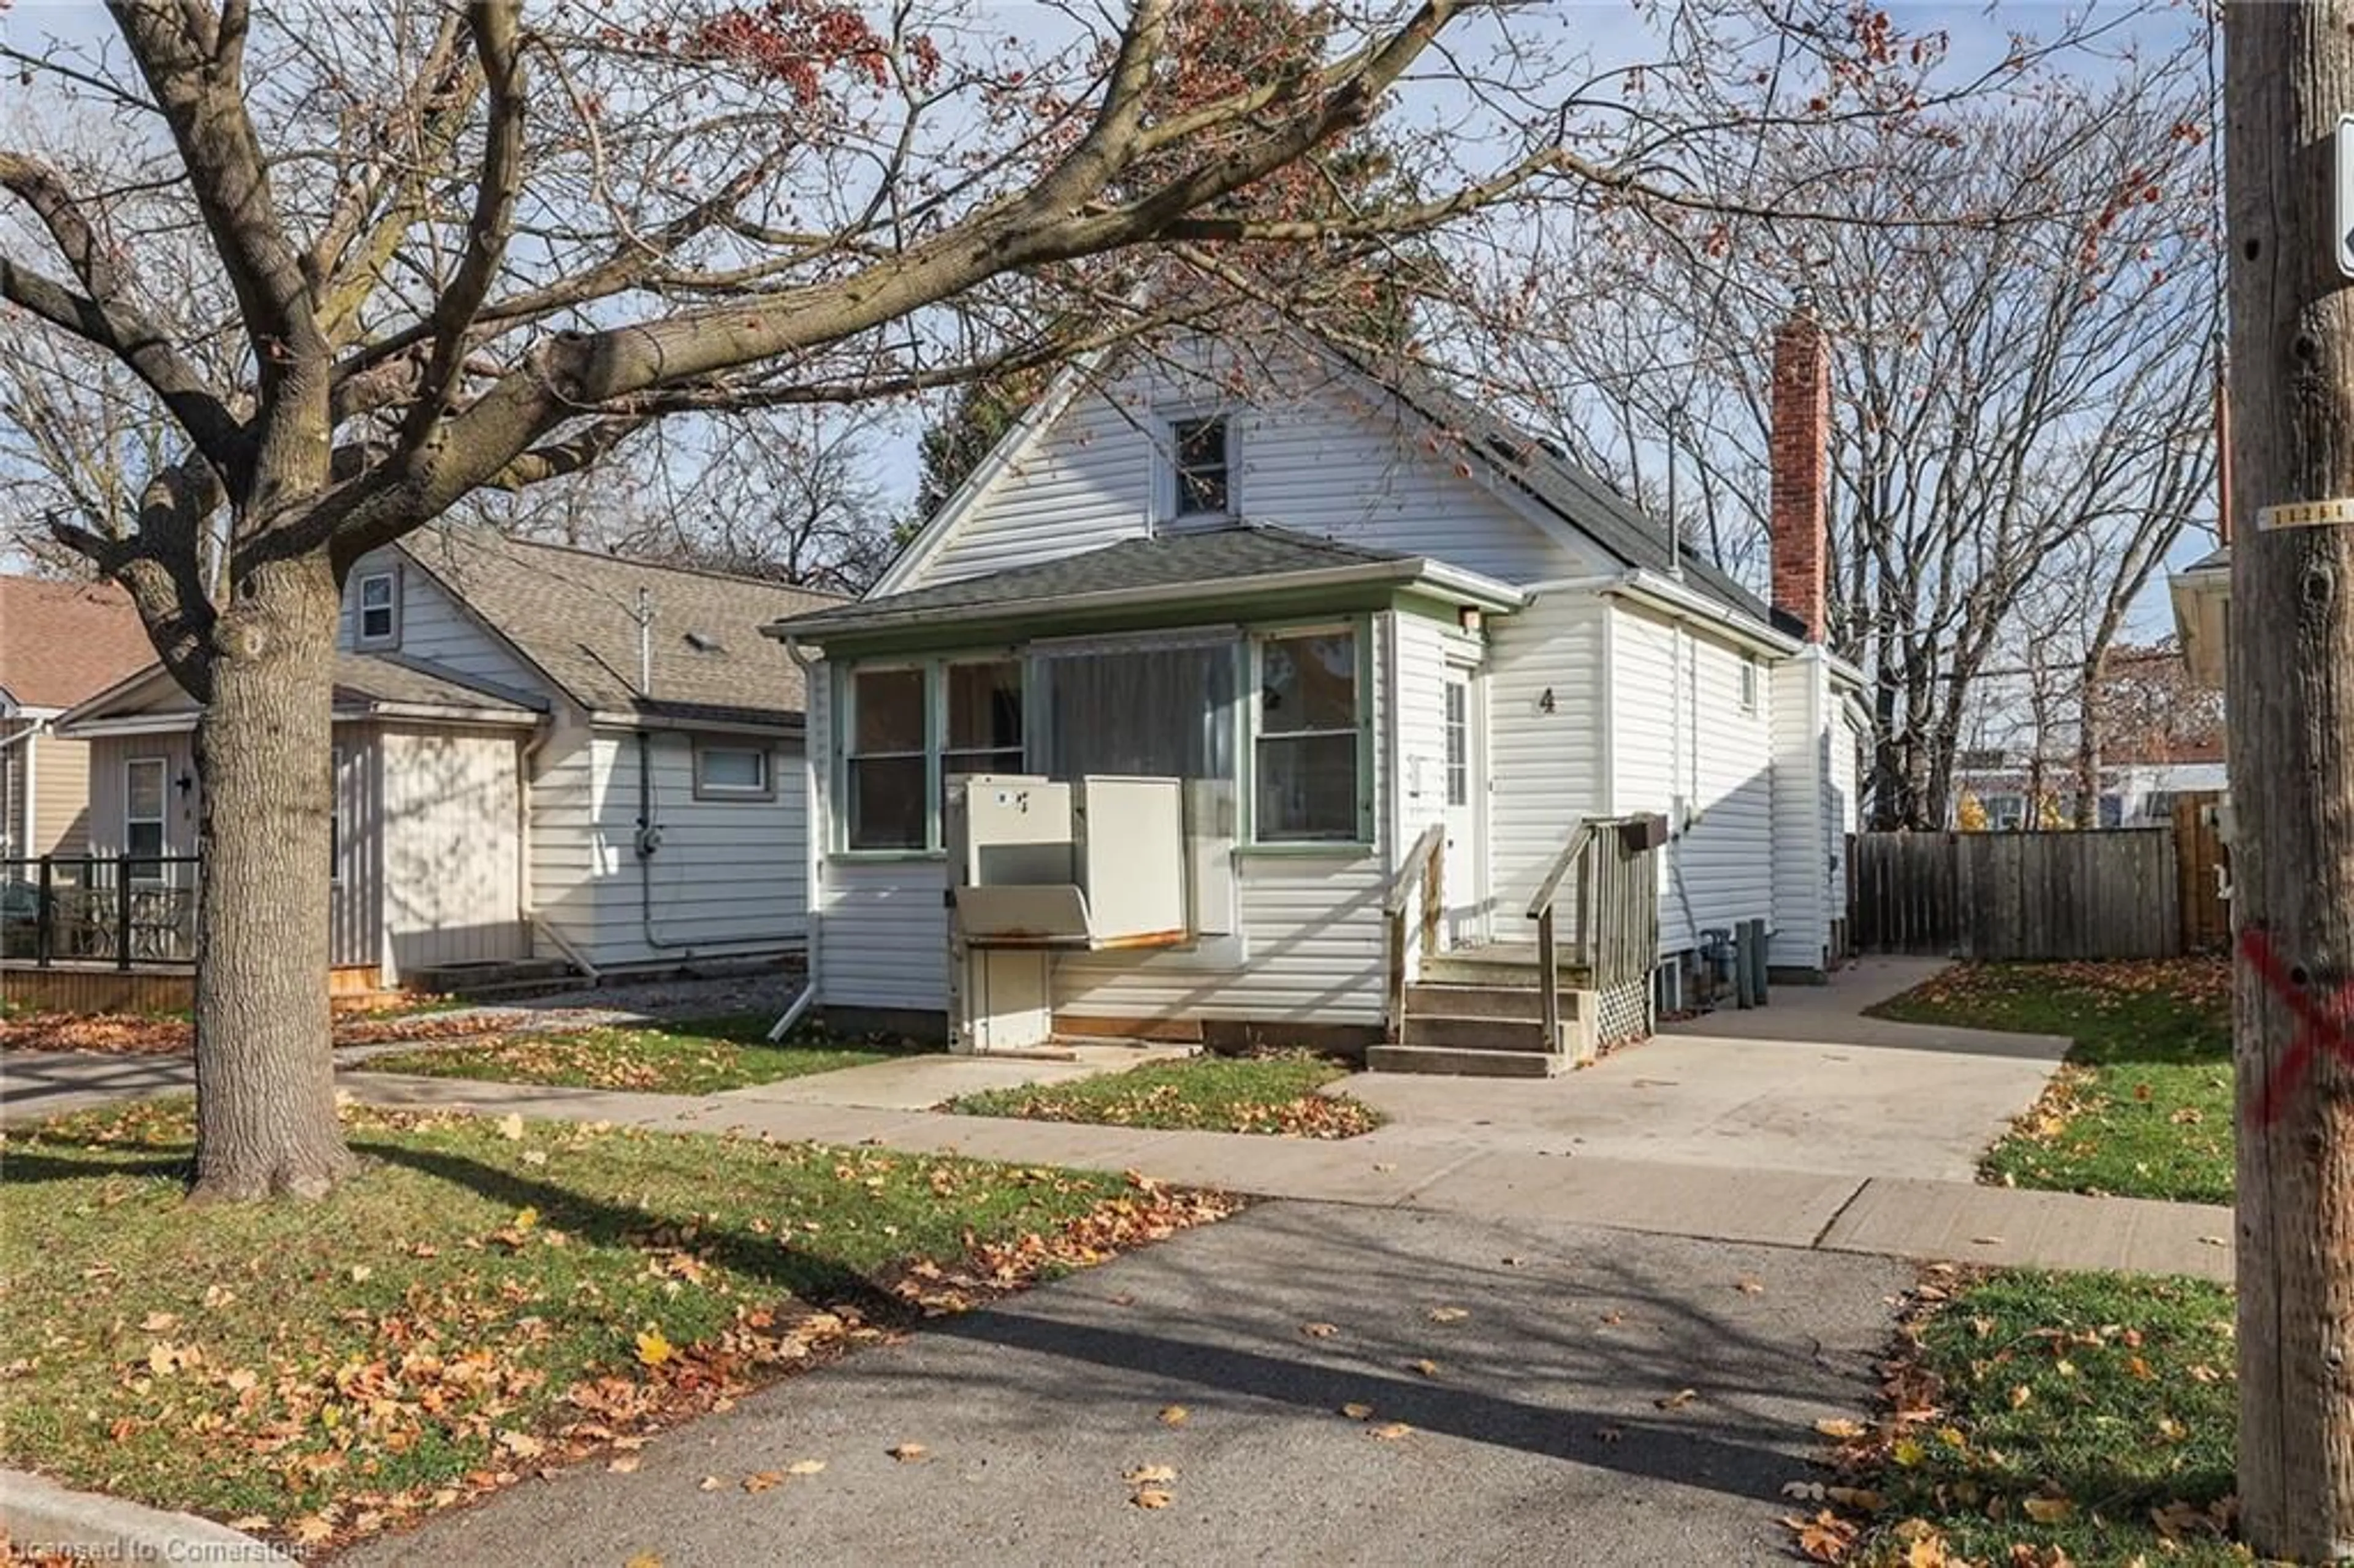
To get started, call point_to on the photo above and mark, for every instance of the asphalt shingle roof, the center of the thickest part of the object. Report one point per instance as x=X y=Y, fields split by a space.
x=374 y=678
x=573 y=613
x=1239 y=554
x=61 y=642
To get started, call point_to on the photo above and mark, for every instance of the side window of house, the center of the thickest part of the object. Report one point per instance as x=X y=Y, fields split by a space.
x=1748 y=685
x=143 y=818
x=1308 y=785
x=1198 y=450
x=887 y=763
x=379 y=609
x=985 y=731
x=731 y=772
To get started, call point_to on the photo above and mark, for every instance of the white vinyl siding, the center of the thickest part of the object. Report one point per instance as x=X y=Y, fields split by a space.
x=1312 y=932
x=1682 y=746
x=1546 y=722
x=1802 y=844
x=355 y=889
x=879 y=930
x=729 y=878
x=452 y=863
x=433 y=627
x=1420 y=757
x=1311 y=452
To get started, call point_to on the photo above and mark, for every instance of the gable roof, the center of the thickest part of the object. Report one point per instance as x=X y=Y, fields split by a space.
x=365 y=686
x=573 y=614
x=61 y=642
x=1215 y=563
x=1558 y=488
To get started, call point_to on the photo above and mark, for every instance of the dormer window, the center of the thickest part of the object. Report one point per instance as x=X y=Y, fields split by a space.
x=379 y=611
x=1200 y=457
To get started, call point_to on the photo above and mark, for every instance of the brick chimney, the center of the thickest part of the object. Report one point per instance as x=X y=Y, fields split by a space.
x=1799 y=519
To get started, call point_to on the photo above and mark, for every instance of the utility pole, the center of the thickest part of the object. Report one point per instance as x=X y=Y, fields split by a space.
x=2288 y=78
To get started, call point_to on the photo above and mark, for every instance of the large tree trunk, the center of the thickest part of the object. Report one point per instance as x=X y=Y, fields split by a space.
x=2289 y=73
x=265 y=1077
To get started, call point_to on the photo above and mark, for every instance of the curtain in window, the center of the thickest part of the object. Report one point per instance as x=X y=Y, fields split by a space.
x=1158 y=712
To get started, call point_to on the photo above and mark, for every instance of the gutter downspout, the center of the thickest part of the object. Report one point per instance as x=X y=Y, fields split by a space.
x=812 y=923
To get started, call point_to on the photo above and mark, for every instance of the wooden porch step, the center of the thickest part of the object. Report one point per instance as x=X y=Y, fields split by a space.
x=1513 y=964
x=1457 y=999
x=1465 y=1063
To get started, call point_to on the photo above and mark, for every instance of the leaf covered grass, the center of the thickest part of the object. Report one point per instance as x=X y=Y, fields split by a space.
x=1271 y=1092
x=2143 y=1107
x=479 y=1300
x=688 y=1056
x=2045 y=1419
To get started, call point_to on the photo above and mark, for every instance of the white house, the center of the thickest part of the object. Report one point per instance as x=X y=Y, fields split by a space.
x=540 y=753
x=1345 y=607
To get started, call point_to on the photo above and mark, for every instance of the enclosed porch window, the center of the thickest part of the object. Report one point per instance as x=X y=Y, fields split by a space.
x=1308 y=789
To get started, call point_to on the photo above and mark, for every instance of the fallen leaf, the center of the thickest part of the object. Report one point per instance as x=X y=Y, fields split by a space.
x=251 y=1523
x=709 y=1484
x=1986 y=1241
x=1318 y=1330
x=762 y=1480
x=1840 y=1426
x=535 y=1156
x=906 y=1453
x=1749 y=1285
x=2019 y=1396
x=805 y=1466
x=1173 y=1415
x=1677 y=1400
x=360 y=1273
x=1356 y=1412
x=511 y=1128
x=1803 y=1491
x=643 y=1560
x=1390 y=1432
x=653 y=1349
x=1426 y=1366
x=1863 y=1500
x=1152 y=1497
x=159 y=1323
x=1449 y=1314
x=522 y=1444
x=624 y=1465
x=2047 y=1510
x=1151 y=1474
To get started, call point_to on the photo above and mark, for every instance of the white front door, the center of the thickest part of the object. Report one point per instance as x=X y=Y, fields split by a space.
x=1463 y=780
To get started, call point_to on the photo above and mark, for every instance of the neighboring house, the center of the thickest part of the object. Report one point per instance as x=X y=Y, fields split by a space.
x=2136 y=791
x=2201 y=592
x=59 y=642
x=539 y=752
x=1344 y=607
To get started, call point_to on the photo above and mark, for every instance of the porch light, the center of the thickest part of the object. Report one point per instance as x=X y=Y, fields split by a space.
x=183 y=783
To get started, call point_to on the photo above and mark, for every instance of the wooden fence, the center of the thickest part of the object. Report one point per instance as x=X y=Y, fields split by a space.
x=2112 y=894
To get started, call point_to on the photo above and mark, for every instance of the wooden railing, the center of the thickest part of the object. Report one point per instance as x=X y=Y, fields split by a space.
x=1423 y=870
x=1607 y=861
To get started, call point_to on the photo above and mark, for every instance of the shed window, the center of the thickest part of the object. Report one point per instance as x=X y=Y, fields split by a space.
x=143 y=818
x=732 y=772
x=379 y=609
x=984 y=733
x=1198 y=451
x=888 y=762
x=1307 y=738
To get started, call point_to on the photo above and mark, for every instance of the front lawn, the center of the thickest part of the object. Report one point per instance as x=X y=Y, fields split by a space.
x=1272 y=1092
x=687 y=1056
x=2143 y=1107
x=2043 y=1419
x=482 y=1300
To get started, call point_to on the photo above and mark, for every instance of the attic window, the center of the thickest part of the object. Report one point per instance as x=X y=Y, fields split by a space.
x=704 y=642
x=1200 y=461
x=378 y=615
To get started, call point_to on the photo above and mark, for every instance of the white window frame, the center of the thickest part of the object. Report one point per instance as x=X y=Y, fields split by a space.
x=390 y=636
x=705 y=789
x=1749 y=682
x=1360 y=631
x=156 y=873
x=1169 y=491
x=1456 y=725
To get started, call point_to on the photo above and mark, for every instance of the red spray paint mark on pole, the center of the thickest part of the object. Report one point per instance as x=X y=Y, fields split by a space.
x=2319 y=1029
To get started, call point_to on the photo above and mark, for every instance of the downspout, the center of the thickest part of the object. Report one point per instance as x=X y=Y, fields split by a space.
x=650 y=832
x=812 y=923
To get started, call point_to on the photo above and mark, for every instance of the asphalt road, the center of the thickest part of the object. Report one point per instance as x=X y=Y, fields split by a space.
x=1539 y=1435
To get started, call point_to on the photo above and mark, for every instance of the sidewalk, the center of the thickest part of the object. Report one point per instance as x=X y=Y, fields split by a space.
x=1894 y=1217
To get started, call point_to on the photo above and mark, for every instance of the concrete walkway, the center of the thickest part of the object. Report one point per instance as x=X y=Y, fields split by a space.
x=1398 y=1167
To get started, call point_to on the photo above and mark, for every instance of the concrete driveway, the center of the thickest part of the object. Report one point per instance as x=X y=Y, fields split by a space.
x=1538 y=1437
x=1806 y=1084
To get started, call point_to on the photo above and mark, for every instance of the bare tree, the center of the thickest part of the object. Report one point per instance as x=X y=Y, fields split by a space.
x=2022 y=318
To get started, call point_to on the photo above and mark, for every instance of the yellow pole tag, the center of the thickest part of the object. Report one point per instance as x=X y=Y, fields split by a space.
x=2306 y=514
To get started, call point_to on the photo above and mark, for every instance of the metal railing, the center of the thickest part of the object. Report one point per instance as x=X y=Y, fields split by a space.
x=1608 y=863
x=1424 y=868
x=117 y=909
